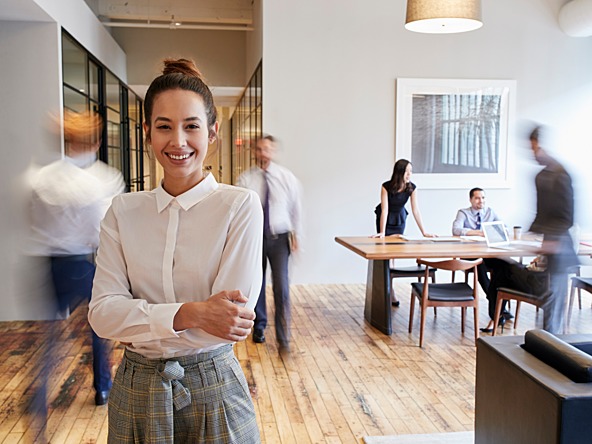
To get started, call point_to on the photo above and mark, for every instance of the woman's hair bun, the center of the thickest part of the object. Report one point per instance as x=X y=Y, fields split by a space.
x=183 y=66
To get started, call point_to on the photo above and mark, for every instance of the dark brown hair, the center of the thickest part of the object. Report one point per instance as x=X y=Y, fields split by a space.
x=180 y=74
x=473 y=191
x=269 y=137
x=397 y=183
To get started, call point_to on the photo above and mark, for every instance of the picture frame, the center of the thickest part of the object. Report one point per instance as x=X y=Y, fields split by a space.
x=456 y=132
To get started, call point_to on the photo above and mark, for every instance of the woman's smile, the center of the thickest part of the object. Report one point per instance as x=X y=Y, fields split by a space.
x=180 y=156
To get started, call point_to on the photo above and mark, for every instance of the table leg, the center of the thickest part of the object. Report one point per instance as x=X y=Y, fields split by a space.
x=377 y=310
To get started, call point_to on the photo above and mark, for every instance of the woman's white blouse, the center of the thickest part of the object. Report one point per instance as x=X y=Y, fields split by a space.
x=157 y=251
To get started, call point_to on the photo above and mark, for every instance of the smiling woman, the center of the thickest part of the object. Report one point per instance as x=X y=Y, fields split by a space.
x=179 y=300
x=180 y=125
x=180 y=135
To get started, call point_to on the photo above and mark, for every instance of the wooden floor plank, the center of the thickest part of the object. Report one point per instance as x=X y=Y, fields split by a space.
x=342 y=380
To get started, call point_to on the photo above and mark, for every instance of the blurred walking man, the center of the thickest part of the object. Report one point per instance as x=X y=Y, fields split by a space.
x=280 y=194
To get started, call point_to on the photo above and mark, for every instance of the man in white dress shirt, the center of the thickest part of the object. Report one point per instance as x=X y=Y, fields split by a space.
x=69 y=199
x=469 y=222
x=279 y=191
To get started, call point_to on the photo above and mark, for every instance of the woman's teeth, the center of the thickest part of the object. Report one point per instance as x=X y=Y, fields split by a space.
x=184 y=156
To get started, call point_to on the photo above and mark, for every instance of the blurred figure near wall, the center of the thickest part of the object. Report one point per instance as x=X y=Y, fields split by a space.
x=554 y=219
x=69 y=198
x=280 y=193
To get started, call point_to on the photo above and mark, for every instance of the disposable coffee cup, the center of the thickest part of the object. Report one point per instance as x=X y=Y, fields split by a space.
x=517 y=232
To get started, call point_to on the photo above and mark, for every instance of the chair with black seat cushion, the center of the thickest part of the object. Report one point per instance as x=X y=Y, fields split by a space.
x=535 y=300
x=456 y=294
x=508 y=294
x=579 y=283
x=417 y=271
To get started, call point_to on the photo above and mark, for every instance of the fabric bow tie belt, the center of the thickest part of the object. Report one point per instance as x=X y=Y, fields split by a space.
x=171 y=372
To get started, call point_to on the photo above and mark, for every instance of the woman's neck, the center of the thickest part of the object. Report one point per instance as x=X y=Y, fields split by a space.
x=177 y=186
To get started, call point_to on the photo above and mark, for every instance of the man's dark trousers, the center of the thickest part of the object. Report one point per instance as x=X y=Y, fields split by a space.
x=276 y=249
x=72 y=278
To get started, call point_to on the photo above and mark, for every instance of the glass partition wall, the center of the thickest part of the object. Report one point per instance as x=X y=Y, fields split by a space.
x=247 y=126
x=88 y=85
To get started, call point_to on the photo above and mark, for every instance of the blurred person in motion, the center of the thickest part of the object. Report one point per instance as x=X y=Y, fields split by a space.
x=547 y=275
x=69 y=199
x=554 y=218
x=178 y=275
x=280 y=195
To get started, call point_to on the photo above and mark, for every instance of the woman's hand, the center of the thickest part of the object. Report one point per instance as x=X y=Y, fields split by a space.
x=219 y=316
x=429 y=235
x=380 y=235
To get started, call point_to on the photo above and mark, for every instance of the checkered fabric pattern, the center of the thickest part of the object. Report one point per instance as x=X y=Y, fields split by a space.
x=190 y=399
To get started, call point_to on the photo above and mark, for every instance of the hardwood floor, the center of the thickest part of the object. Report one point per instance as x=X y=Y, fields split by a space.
x=342 y=380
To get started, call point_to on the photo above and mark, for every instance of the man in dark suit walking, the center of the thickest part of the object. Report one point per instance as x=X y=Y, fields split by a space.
x=554 y=218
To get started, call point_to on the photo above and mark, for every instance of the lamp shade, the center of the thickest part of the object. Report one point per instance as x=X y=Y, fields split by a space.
x=443 y=16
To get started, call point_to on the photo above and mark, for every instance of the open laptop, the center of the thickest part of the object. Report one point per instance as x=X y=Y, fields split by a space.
x=496 y=236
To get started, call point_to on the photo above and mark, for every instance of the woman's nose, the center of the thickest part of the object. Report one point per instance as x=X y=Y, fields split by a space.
x=178 y=138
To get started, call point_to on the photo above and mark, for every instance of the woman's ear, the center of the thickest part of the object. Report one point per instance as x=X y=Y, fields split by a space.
x=146 y=131
x=213 y=133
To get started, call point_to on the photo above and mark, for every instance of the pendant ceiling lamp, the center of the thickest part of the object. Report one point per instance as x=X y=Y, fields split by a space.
x=443 y=16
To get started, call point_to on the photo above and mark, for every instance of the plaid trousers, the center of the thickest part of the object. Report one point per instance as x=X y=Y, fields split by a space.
x=190 y=399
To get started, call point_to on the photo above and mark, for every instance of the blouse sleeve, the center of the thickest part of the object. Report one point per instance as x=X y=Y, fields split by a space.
x=113 y=312
x=240 y=267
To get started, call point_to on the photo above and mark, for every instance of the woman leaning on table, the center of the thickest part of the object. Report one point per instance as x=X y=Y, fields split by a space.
x=391 y=214
x=178 y=275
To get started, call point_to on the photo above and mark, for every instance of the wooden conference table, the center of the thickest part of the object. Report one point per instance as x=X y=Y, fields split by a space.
x=378 y=252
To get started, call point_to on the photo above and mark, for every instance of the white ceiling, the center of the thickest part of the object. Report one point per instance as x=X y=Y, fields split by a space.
x=222 y=15
x=187 y=14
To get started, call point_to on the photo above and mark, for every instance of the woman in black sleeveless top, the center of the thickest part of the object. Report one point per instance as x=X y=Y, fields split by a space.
x=391 y=214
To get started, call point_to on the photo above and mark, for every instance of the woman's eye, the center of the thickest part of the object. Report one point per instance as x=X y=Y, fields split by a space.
x=162 y=127
x=192 y=126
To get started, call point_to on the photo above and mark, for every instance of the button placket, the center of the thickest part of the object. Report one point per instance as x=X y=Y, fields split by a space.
x=169 y=252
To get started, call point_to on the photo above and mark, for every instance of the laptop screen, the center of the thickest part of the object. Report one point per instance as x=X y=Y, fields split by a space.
x=495 y=233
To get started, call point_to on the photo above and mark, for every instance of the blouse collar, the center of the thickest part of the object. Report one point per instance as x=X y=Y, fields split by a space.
x=190 y=197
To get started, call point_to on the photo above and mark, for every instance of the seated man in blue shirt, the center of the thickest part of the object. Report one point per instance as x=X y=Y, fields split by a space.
x=468 y=220
x=468 y=223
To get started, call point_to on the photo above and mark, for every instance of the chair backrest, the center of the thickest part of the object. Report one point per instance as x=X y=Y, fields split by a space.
x=451 y=264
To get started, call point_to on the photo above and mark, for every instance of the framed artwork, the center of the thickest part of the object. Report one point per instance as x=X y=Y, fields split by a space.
x=455 y=132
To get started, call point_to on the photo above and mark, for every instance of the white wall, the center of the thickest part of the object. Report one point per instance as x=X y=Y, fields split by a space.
x=31 y=89
x=329 y=95
x=27 y=96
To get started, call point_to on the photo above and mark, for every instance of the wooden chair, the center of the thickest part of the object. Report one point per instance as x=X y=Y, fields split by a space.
x=508 y=294
x=417 y=271
x=456 y=294
x=575 y=270
x=580 y=284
